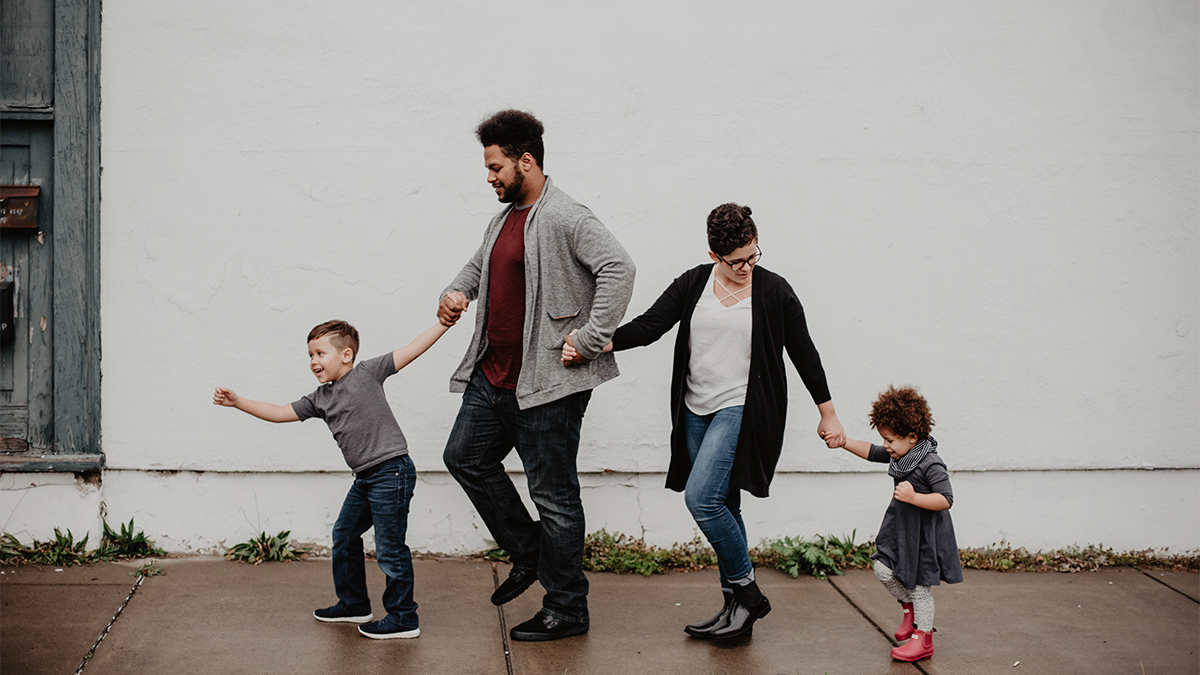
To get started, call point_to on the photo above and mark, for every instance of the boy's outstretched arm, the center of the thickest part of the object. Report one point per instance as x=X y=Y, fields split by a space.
x=409 y=352
x=264 y=411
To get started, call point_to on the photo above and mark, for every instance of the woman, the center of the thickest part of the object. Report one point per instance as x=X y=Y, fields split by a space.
x=729 y=396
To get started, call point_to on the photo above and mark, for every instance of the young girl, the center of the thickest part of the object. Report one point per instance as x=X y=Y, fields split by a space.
x=916 y=545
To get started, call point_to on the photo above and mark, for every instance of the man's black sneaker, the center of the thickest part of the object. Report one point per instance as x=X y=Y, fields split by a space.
x=386 y=629
x=339 y=614
x=543 y=627
x=519 y=579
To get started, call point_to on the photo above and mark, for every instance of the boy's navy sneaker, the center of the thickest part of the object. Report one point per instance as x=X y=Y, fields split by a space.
x=543 y=627
x=386 y=629
x=339 y=614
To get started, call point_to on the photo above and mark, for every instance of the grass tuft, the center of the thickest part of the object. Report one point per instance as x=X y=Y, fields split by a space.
x=65 y=551
x=265 y=548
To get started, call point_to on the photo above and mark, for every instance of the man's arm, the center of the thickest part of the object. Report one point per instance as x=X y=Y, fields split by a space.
x=597 y=249
x=463 y=289
x=264 y=411
x=409 y=352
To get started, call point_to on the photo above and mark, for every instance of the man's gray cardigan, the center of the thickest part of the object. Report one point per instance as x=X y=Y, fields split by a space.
x=577 y=275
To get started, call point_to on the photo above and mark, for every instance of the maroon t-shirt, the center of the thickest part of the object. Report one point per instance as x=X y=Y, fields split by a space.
x=506 y=303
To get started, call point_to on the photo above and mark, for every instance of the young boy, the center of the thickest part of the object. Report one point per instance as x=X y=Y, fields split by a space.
x=351 y=401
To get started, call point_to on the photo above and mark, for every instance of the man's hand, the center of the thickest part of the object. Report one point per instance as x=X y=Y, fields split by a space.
x=571 y=356
x=225 y=397
x=451 y=308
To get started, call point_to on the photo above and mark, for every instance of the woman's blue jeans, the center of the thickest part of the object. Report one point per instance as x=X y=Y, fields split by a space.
x=381 y=500
x=712 y=444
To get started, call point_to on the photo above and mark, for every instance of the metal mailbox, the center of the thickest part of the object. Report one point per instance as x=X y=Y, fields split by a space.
x=19 y=206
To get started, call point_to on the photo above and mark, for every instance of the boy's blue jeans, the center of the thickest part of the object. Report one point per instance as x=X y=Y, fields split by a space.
x=546 y=437
x=381 y=500
x=712 y=444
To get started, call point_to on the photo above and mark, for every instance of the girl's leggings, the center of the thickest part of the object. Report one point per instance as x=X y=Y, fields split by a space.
x=921 y=597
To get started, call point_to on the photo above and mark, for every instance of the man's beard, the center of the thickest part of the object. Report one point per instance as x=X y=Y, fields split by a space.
x=512 y=190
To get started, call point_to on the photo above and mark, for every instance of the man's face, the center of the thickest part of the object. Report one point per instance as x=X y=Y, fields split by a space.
x=504 y=174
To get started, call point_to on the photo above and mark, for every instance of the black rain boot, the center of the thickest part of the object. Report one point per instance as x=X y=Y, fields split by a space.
x=702 y=631
x=749 y=605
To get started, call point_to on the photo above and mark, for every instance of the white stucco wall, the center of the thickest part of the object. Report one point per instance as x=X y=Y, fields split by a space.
x=998 y=204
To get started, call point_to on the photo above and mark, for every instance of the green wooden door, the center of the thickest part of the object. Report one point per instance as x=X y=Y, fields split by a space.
x=49 y=137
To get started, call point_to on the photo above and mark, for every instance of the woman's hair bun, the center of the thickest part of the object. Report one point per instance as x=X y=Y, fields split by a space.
x=748 y=211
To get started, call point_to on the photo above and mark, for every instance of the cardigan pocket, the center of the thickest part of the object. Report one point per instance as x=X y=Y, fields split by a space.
x=562 y=321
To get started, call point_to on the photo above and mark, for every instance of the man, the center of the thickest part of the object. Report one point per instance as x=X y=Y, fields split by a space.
x=547 y=267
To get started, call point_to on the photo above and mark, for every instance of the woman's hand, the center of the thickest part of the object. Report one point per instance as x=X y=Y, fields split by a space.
x=570 y=355
x=830 y=429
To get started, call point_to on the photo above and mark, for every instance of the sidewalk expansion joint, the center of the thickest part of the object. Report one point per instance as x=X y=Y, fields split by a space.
x=1167 y=585
x=871 y=621
x=503 y=625
x=92 y=652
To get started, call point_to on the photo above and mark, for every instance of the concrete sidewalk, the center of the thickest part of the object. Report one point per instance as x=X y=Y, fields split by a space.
x=206 y=615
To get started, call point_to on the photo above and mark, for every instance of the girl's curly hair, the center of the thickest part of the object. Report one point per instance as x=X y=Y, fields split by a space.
x=903 y=412
x=730 y=227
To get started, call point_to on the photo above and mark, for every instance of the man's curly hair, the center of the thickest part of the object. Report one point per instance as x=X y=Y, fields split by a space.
x=516 y=132
x=903 y=412
x=730 y=227
x=341 y=335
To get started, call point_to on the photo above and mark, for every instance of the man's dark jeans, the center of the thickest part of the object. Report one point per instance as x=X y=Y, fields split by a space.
x=488 y=427
x=380 y=499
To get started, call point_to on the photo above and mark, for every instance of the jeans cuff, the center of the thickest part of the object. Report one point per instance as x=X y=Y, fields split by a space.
x=563 y=617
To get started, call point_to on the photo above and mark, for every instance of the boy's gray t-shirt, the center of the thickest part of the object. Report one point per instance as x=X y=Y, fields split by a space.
x=358 y=414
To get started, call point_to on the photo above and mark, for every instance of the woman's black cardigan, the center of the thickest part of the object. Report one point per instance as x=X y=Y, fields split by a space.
x=777 y=323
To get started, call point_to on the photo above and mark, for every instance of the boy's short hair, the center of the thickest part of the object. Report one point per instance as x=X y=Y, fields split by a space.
x=516 y=132
x=730 y=227
x=341 y=335
x=903 y=412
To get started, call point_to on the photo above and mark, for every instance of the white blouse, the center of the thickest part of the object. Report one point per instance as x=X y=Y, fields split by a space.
x=719 y=361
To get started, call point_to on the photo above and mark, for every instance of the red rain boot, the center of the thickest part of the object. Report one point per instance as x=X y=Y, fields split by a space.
x=905 y=630
x=919 y=647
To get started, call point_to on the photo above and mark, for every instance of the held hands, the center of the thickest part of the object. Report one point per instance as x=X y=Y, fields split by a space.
x=904 y=492
x=451 y=307
x=830 y=430
x=571 y=356
x=225 y=397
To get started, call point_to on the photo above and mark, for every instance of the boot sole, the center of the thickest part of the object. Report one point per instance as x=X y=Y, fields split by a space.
x=345 y=619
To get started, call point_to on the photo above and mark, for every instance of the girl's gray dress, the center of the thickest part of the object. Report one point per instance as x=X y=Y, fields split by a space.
x=919 y=545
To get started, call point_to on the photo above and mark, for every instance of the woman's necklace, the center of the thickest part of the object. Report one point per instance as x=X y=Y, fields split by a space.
x=730 y=294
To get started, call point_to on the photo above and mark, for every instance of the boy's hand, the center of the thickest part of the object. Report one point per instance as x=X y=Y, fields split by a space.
x=904 y=492
x=451 y=307
x=225 y=397
x=570 y=355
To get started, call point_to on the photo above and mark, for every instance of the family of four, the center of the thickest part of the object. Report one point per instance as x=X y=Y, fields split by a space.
x=552 y=284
